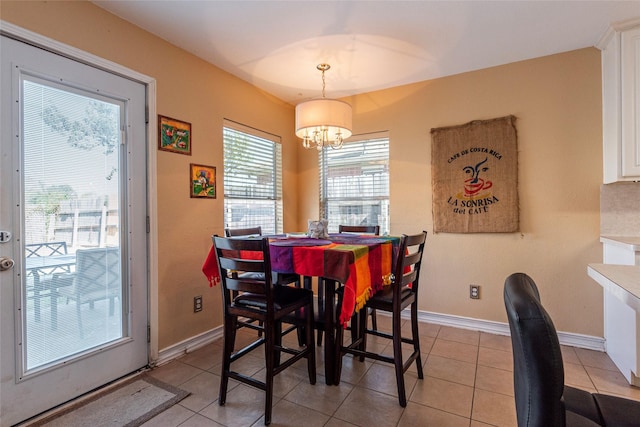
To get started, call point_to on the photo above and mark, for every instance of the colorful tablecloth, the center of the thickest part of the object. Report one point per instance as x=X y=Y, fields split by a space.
x=363 y=264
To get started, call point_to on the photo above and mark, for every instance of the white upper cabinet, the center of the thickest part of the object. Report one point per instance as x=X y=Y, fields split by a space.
x=621 y=101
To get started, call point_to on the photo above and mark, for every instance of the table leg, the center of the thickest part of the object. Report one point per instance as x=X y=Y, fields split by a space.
x=329 y=330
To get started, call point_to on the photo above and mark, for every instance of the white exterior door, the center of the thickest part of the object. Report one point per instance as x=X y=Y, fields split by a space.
x=73 y=241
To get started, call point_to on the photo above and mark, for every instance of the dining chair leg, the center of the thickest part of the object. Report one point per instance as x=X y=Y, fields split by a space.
x=362 y=332
x=230 y=325
x=337 y=367
x=311 y=357
x=374 y=319
x=416 y=338
x=397 y=356
x=354 y=324
x=320 y=289
x=271 y=363
x=331 y=325
x=277 y=342
x=301 y=333
x=321 y=306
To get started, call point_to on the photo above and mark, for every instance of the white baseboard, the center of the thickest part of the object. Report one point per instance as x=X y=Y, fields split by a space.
x=168 y=354
x=498 y=328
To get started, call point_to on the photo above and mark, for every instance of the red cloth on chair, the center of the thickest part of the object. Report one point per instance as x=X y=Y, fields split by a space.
x=210 y=265
x=210 y=268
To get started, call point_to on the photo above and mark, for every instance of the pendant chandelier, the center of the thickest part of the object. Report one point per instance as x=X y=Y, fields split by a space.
x=323 y=122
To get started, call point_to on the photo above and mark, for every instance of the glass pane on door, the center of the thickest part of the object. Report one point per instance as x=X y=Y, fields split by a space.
x=72 y=288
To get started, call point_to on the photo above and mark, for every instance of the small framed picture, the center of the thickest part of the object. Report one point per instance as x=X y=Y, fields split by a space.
x=202 y=181
x=174 y=135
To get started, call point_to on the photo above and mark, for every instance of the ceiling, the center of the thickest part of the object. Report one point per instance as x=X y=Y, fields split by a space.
x=370 y=45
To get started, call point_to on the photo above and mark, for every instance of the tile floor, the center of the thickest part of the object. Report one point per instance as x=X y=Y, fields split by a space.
x=468 y=382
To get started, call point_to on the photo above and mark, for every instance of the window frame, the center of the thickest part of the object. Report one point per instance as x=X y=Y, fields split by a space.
x=253 y=213
x=380 y=140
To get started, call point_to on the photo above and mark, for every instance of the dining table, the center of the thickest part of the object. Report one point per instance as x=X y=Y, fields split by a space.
x=42 y=265
x=360 y=264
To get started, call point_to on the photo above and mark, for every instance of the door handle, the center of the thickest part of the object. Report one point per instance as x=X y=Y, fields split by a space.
x=6 y=263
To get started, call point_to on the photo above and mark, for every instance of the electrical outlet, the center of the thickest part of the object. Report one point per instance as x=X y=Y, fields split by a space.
x=474 y=291
x=197 y=303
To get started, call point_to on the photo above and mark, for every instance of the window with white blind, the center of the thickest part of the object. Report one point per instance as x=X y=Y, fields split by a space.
x=252 y=178
x=354 y=183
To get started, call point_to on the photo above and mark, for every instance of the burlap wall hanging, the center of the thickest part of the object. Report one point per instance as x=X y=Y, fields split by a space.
x=475 y=177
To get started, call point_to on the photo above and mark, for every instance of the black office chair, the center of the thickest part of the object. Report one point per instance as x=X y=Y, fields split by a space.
x=542 y=398
x=402 y=293
x=260 y=299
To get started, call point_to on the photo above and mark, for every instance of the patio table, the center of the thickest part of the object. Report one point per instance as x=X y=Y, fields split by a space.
x=37 y=265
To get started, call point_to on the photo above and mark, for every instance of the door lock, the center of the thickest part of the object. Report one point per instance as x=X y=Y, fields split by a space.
x=6 y=263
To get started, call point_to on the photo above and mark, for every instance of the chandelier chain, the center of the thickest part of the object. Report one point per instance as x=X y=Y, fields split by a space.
x=323 y=67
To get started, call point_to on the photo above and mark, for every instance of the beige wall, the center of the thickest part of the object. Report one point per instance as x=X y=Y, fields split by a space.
x=556 y=101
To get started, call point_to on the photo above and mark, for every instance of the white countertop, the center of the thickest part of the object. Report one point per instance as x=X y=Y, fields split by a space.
x=631 y=243
x=623 y=281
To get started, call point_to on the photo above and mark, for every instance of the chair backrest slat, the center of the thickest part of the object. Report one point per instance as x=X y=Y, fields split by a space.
x=412 y=258
x=409 y=278
x=241 y=264
x=364 y=229
x=244 y=285
x=237 y=232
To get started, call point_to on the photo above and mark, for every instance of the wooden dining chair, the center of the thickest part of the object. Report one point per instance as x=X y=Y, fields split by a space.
x=261 y=299
x=280 y=279
x=402 y=293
